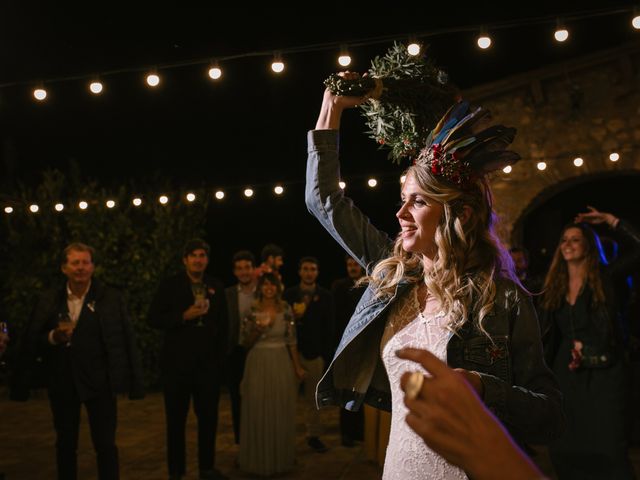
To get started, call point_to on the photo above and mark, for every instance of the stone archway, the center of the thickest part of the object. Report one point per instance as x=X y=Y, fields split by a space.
x=589 y=107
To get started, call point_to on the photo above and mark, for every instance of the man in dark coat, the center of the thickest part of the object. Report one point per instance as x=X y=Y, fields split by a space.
x=313 y=310
x=83 y=334
x=190 y=307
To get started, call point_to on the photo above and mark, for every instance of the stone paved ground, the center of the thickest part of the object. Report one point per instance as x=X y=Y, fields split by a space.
x=26 y=445
x=27 y=439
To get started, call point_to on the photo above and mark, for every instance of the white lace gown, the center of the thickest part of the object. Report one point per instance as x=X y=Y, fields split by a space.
x=408 y=457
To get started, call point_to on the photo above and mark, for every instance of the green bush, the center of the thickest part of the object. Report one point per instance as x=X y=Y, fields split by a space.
x=135 y=248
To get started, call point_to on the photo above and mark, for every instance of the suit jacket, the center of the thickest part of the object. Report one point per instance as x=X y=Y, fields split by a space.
x=315 y=329
x=187 y=347
x=102 y=356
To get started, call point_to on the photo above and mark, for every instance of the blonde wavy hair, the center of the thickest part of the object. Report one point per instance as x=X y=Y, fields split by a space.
x=468 y=258
x=556 y=283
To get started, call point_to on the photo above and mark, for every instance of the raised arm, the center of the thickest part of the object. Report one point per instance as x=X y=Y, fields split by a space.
x=325 y=199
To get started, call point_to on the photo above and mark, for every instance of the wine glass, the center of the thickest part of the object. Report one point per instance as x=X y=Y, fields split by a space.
x=66 y=325
x=200 y=299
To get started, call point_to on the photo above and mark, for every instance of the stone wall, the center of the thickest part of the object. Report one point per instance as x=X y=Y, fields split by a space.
x=587 y=108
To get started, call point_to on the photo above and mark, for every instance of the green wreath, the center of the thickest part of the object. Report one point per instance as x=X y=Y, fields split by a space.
x=415 y=95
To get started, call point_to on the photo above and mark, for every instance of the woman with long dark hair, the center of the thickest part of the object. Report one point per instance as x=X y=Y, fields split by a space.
x=579 y=317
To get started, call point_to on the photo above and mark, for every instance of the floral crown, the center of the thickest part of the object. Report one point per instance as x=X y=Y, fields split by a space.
x=459 y=150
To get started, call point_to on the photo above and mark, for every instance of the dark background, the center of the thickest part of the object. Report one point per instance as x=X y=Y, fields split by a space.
x=250 y=127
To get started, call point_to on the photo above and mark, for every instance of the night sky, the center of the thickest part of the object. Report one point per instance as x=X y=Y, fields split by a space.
x=250 y=127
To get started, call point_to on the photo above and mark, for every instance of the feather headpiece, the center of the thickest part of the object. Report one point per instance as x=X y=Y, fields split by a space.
x=462 y=147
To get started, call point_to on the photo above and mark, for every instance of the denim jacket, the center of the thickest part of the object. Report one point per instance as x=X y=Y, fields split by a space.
x=518 y=386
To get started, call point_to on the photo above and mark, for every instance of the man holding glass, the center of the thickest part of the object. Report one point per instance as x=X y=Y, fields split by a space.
x=83 y=334
x=190 y=307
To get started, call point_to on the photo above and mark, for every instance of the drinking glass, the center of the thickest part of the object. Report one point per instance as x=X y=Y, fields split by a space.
x=66 y=324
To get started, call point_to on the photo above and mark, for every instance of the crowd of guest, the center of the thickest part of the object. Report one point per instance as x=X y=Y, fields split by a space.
x=269 y=346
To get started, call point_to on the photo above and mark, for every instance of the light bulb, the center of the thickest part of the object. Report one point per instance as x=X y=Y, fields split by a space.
x=507 y=169
x=96 y=87
x=215 y=73
x=83 y=205
x=278 y=190
x=614 y=157
x=484 y=41
x=561 y=34
x=372 y=182
x=110 y=203
x=219 y=194
x=248 y=193
x=277 y=66
x=137 y=202
x=58 y=207
x=153 y=80
x=163 y=199
x=578 y=162
x=413 y=49
x=40 y=94
x=541 y=166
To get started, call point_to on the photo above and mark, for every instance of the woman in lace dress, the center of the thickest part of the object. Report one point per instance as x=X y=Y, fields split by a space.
x=269 y=384
x=445 y=284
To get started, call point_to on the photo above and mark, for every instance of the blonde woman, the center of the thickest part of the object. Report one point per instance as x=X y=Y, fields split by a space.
x=445 y=284
x=269 y=384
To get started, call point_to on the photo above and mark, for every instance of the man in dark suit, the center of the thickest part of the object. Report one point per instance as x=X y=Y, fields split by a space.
x=239 y=299
x=83 y=333
x=190 y=307
x=313 y=310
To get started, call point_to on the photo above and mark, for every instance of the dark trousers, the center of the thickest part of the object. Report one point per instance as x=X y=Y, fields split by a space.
x=204 y=388
x=352 y=424
x=102 y=413
x=235 y=370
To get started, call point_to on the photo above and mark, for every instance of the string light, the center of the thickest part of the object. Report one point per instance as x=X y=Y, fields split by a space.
x=484 y=40
x=39 y=94
x=342 y=185
x=153 y=80
x=190 y=197
x=8 y=209
x=58 y=207
x=541 y=166
x=33 y=208
x=163 y=199
x=372 y=182
x=248 y=192
x=614 y=157
x=561 y=34
x=215 y=72
x=219 y=194
x=110 y=203
x=507 y=169
x=277 y=65
x=344 y=59
x=83 y=205
x=96 y=87
x=413 y=49
x=278 y=189
x=578 y=162
x=136 y=202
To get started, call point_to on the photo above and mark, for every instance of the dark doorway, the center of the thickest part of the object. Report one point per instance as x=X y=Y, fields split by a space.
x=538 y=228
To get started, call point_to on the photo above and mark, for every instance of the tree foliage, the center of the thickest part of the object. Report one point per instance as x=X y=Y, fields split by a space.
x=135 y=248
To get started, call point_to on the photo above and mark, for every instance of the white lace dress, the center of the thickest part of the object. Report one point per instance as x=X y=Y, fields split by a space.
x=408 y=457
